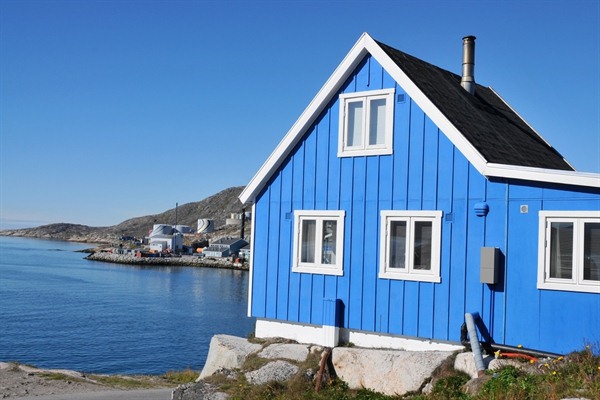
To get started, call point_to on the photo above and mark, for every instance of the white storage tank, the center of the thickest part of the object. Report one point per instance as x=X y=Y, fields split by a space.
x=206 y=225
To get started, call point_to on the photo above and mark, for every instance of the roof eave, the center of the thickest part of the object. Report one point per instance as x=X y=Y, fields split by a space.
x=571 y=178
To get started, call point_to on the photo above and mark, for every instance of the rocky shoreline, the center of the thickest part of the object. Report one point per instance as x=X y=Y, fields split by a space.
x=183 y=261
x=260 y=368
x=19 y=380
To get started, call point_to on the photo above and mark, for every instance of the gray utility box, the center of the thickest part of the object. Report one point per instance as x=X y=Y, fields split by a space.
x=490 y=265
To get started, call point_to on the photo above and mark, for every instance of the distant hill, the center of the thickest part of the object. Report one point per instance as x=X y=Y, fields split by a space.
x=217 y=207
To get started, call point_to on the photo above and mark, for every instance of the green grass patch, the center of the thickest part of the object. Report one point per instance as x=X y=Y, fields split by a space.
x=56 y=376
x=127 y=382
x=181 y=377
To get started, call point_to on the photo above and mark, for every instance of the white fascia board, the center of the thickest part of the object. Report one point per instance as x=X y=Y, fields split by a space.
x=335 y=81
x=571 y=178
x=453 y=134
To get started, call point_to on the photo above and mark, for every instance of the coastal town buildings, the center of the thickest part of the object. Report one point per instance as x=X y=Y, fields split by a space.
x=224 y=247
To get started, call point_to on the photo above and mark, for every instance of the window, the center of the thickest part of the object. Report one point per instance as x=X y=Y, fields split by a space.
x=410 y=245
x=318 y=242
x=366 y=123
x=569 y=251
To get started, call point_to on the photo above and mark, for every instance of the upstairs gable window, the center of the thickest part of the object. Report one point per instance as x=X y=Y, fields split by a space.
x=366 y=123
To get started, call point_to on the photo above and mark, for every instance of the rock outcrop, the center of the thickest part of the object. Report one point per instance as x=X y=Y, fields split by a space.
x=276 y=371
x=227 y=352
x=391 y=372
x=197 y=391
x=464 y=362
x=288 y=351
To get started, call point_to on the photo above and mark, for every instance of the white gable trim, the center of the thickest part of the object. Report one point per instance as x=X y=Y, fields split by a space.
x=366 y=45
x=331 y=87
x=426 y=105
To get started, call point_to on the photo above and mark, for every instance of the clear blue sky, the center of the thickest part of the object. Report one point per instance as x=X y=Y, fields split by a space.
x=114 y=109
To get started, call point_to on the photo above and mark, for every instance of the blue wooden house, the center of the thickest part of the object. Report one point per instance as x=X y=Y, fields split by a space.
x=406 y=196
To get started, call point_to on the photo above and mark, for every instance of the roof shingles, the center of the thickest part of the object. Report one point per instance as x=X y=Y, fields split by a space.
x=486 y=121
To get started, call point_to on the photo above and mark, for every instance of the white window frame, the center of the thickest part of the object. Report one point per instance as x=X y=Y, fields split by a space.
x=576 y=283
x=366 y=97
x=410 y=273
x=318 y=267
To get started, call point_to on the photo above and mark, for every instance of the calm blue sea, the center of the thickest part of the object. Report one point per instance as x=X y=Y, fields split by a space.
x=58 y=310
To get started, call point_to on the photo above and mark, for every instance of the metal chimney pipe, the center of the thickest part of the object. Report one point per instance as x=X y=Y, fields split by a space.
x=468 y=67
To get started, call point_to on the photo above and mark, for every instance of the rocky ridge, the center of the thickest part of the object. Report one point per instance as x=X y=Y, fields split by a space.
x=217 y=207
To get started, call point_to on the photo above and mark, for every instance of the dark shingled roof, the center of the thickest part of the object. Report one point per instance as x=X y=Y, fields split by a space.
x=497 y=132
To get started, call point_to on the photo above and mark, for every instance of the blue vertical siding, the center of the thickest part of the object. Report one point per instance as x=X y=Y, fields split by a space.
x=285 y=245
x=371 y=251
x=441 y=316
x=272 y=260
x=259 y=277
x=357 y=244
x=496 y=224
x=523 y=302
x=476 y=235
x=425 y=172
x=427 y=292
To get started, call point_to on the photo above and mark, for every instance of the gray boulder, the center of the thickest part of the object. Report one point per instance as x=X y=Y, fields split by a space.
x=499 y=363
x=227 y=352
x=466 y=363
x=198 y=391
x=391 y=372
x=277 y=371
x=294 y=352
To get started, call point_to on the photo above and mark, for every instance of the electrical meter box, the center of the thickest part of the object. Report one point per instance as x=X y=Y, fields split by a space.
x=490 y=265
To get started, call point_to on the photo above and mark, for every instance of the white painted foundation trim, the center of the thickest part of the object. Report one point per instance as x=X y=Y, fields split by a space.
x=331 y=336
x=315 y=334
x=374 y=340
x=287 y=330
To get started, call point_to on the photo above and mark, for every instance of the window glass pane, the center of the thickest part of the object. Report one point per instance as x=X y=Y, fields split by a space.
x=309 y=229
x=355 y=124
x=591 y=251
x=377 y=122
x=329 y=242
x=397 y=244
x=422 y=251
x=561 y=250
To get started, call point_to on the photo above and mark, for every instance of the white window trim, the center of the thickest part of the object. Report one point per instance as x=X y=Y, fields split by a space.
x=576 y=284
x=318 y=267
x=411 y=274
x=366 y=150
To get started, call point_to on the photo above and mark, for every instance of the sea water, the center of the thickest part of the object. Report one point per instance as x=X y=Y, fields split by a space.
x=58 y=310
